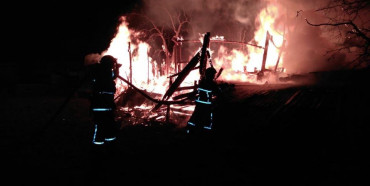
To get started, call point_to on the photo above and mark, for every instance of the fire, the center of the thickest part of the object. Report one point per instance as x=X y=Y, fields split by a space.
x=267 y=19
x=237 y=64
x=143 y=73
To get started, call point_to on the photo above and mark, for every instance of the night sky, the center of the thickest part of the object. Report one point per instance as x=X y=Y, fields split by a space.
x=58 y=33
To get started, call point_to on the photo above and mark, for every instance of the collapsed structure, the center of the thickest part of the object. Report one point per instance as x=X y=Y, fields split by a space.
x=177 y=98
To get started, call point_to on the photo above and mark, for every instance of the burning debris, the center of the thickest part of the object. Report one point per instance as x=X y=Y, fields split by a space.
x=163 y=91
x=138 y=111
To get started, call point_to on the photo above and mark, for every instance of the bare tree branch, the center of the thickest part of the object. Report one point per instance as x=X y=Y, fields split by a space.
x=358 y=31
x=170 y=16
x=350 y=20
x=326 y=8
x=167 y=31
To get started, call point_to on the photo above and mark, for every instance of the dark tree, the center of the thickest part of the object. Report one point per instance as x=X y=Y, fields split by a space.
x=349 y=22
x=162 y=32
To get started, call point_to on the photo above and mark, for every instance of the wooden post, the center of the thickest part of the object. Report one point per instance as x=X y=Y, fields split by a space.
x=263 y=67
x=129 y=52
x=175 y=57
x=168 y=64
x=168 y=107
x=148 y=64
x=180 y=78
x=203 y=56
x=179 y=58
x=195 y=85
x=281 y=51
x=282 y=46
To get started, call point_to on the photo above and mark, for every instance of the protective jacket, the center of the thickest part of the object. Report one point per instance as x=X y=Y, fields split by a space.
x=103 y=105
x=202 y=117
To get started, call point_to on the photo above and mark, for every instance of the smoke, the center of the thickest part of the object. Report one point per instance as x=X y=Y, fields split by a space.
x=91 y=59
x=220 y=17
x=306 y=47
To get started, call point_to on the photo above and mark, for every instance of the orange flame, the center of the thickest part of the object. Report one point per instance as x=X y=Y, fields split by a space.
x=143 y=73
x=236 y=63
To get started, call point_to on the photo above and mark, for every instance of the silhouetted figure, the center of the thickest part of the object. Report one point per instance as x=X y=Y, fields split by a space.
x=102 y=101
x=202 y=117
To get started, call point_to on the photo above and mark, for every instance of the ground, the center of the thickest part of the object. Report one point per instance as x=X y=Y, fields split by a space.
x=291 y=134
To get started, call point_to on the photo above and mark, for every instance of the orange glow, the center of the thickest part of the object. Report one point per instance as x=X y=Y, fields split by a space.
x=143 y=67
x=237 y=63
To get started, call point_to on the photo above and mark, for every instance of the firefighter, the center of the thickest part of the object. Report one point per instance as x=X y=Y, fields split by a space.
x=202 y=117
x=102 y=101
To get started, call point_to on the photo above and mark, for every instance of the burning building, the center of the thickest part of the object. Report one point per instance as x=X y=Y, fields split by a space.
x=257 y=57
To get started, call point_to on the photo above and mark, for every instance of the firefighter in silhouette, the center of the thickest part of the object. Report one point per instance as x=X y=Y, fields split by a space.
x=202 y=117
x=102 y=101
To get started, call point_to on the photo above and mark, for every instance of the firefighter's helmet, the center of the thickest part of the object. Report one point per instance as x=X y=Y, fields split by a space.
x=210 y=72
x=108 y=61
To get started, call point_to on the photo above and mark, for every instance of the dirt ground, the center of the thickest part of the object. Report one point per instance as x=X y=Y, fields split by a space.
x=265 y=135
